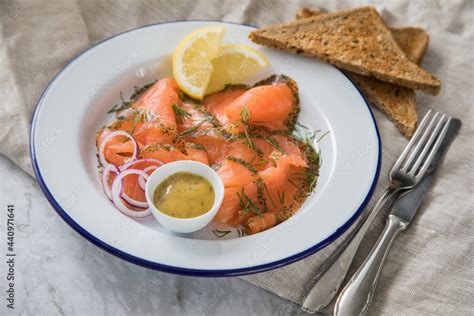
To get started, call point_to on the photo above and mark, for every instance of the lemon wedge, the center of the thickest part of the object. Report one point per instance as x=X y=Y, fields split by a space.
x=192 y=59
x=233 y=64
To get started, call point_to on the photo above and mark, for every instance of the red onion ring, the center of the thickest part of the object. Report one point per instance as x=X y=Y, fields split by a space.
x=105 y=179
x=117 y=190
x=133 y=202
x=141 y=180
x=131 y=163
x=111 y=135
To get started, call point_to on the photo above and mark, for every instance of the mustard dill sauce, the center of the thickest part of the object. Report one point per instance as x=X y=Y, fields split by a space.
x=184 y=195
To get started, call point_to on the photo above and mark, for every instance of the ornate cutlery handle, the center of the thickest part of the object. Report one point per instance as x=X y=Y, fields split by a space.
x=355 y=297
x=332 y=273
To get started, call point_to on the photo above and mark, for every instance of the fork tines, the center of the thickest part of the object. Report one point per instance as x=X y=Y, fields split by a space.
x=417 y=156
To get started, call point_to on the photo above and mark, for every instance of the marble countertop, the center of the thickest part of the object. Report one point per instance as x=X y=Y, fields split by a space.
x=57 y=272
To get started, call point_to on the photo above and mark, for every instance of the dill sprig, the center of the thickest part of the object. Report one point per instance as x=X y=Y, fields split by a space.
x=268 y=193
x=281 y=197
x=262 y=162
x=137 y=93
x=196 y=146
x=274 y=143
x=245 y=115
x=252 y=145
x=241 y=232
x=247 y=204
x=140 y=90
x=220 y=233
x=301 y=125
x=292 y=183
x=120 y=107
x=191 y=129
x=180 y=113
x=312 y=184
x=313 y=158
x=243 y=163
x=322 y=136
x=181 y=96
x=253 y=158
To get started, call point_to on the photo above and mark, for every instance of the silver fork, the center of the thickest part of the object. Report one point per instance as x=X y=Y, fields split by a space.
x=406 y=173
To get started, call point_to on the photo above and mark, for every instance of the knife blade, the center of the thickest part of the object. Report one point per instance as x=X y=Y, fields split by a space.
x=408 y=204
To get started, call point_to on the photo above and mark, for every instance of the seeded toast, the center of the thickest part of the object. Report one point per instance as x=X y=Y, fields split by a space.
x=396 y=102
x=355 y=40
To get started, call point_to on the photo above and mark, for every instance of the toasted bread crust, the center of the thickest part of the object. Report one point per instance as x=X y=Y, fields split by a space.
x=396 y=102
x=413 y=41
x=304 y=13
x=356 y=40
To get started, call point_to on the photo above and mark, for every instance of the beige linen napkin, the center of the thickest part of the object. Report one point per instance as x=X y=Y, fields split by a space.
x=429 y=270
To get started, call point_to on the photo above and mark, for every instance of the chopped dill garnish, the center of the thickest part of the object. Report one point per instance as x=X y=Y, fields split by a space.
x=292 y=183
x=322 y=136
x=120 y=107
x=262 y=162
x=245 y=115
x=181 y=95
x=191 y=129
x=274 y=143
x=253 y=158
x=196 y=146
x=247 y=204
x=243 y=163
x=313 y=158
x=134 y=97
x=281 y=197
x=140 y=90
x=312 y=184
x=220 y=233
x=252 y=145
x=180 y=113
x=268 y=193
x=301 y=125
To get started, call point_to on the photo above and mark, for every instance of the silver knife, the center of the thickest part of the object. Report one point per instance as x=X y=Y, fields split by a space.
x=356 y=296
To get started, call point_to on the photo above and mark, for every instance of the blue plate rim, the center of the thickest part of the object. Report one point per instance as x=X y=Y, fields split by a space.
x=178 y=270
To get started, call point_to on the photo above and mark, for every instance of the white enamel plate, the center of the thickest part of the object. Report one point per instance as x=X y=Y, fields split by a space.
x=74 y=106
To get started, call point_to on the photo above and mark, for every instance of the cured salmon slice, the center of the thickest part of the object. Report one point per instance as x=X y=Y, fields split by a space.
x=267 y=105
x=159 y=99
x=257 y=224
x=197 y=153
x=165 y=153
x=213 y=141
x=272 y=103
x=192 y=116
x=216 y=103
x=234 y=174
x=291 y=151
x=231 y=205
x=148 y=133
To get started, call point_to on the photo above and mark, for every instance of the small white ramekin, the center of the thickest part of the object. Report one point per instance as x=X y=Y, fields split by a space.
x=184 y=225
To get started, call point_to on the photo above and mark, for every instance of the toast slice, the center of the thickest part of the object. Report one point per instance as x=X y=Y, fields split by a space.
x=396 y=102
x=356 y=40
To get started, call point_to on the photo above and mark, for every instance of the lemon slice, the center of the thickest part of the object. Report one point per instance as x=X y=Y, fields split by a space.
x=233 y=64
x=192 y=66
